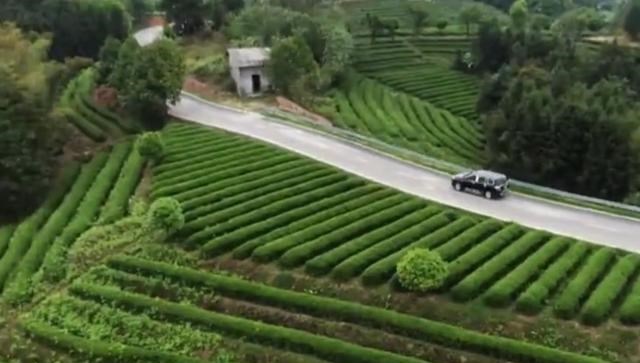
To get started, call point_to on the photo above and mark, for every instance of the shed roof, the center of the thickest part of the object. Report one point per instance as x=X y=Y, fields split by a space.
x=247 y=57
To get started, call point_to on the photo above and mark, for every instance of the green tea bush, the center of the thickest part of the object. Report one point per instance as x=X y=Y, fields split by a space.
x=421 y=270
x=151 y=146
x=533 y=299
x=166 y=214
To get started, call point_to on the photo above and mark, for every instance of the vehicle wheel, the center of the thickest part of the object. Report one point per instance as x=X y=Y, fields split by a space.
x=457 y=186
x=488 y=194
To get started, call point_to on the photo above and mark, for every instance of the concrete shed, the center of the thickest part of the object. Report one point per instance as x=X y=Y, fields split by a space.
x=248 y=70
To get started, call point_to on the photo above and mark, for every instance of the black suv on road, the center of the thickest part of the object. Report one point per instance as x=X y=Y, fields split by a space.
x=487 y=183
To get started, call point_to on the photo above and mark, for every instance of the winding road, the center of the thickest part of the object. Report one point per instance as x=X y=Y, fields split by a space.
x=584 y=224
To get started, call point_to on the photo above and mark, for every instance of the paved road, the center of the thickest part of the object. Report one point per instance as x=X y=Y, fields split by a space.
x=579 y=223
x=570 y=221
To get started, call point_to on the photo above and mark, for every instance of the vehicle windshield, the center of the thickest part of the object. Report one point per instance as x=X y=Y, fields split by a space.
x=500 y=181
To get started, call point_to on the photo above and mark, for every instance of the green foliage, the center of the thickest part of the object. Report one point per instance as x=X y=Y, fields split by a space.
x=421 y=270
x=519 y=13
x=147 y=78
x=108 y=59
x=419 y=16
x=290 y=60
x=101 y=19
x=418 y=328
x=150 y=145
x=632 y=19
x=165 y=214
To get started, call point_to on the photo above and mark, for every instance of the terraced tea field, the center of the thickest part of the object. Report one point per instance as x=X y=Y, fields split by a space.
x=246 y=200
x=375 y=110
x=35 y=251
x=100 y=318
x=421 y=68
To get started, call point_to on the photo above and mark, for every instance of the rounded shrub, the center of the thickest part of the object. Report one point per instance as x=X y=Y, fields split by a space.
x=421 y=270
x=151 y=146
x=166 y=214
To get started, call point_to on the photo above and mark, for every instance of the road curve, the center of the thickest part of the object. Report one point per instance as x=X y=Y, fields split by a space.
x=579 y=223
x=584 y=224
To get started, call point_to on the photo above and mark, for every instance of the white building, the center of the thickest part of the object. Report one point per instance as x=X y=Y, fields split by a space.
x=248 y=70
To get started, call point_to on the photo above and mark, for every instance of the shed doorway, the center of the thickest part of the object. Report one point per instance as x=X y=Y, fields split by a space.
x=256 y=83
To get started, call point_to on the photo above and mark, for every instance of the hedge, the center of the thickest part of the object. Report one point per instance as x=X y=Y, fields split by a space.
x=475 y=282
x=362 y=198
x=98 y=350
x=324 y=263
x=415 y=327
x=502 y=293
x=306 y=250
x=5 y=236
x=241 y=214
x=600 y=303
x=118 y=201
x=384 y=269
x=26 y=231
x=630 y=308
x=54 y=266
x=217 y=162
x=534 y=297
x=275 y=248
x=240 y=190
x=188 y=194
x=567 y=305
x=183 y=166
x=323 y=347
x=480 y=253
x=19 y=289
x=239 y=237
x=217 y=172
x=287 y=204
x=460 y=244
x=356 y=263
x=86 y=127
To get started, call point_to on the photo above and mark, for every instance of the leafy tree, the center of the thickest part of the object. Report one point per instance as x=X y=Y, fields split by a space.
x=442 y=25
x=291 y=59
x=421 y=270
x=151 y=146
x=337 y=52
x=519 y=13
x=575 y=22
x=108 y=59
x=80 y=27
x=147 y=78
x=470 y=14
x=165 y=214
x=28 y=134
x=189 y=16
x=491 y=49
x=419 y=16
x=632 y=19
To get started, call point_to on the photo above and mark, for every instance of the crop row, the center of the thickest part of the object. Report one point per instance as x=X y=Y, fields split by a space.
x=325 y=262
x=568 y=303
x=279 y=202
x=19 y=288
x=505 y=289
x=54 y=264
x=226 y=220
x=272 y=223
x=535 y=296
x=417 y=328
x=308 y=249
x=275 y=248
x=128 y=180
x=85 y=126
x=297 y=340
x=476 y=282
x=206 y=174
x=232 y=191
x=389 y=253
x=369 y=194
x=23 y=234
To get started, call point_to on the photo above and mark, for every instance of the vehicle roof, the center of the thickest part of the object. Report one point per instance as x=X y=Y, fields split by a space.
x=489 y=174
